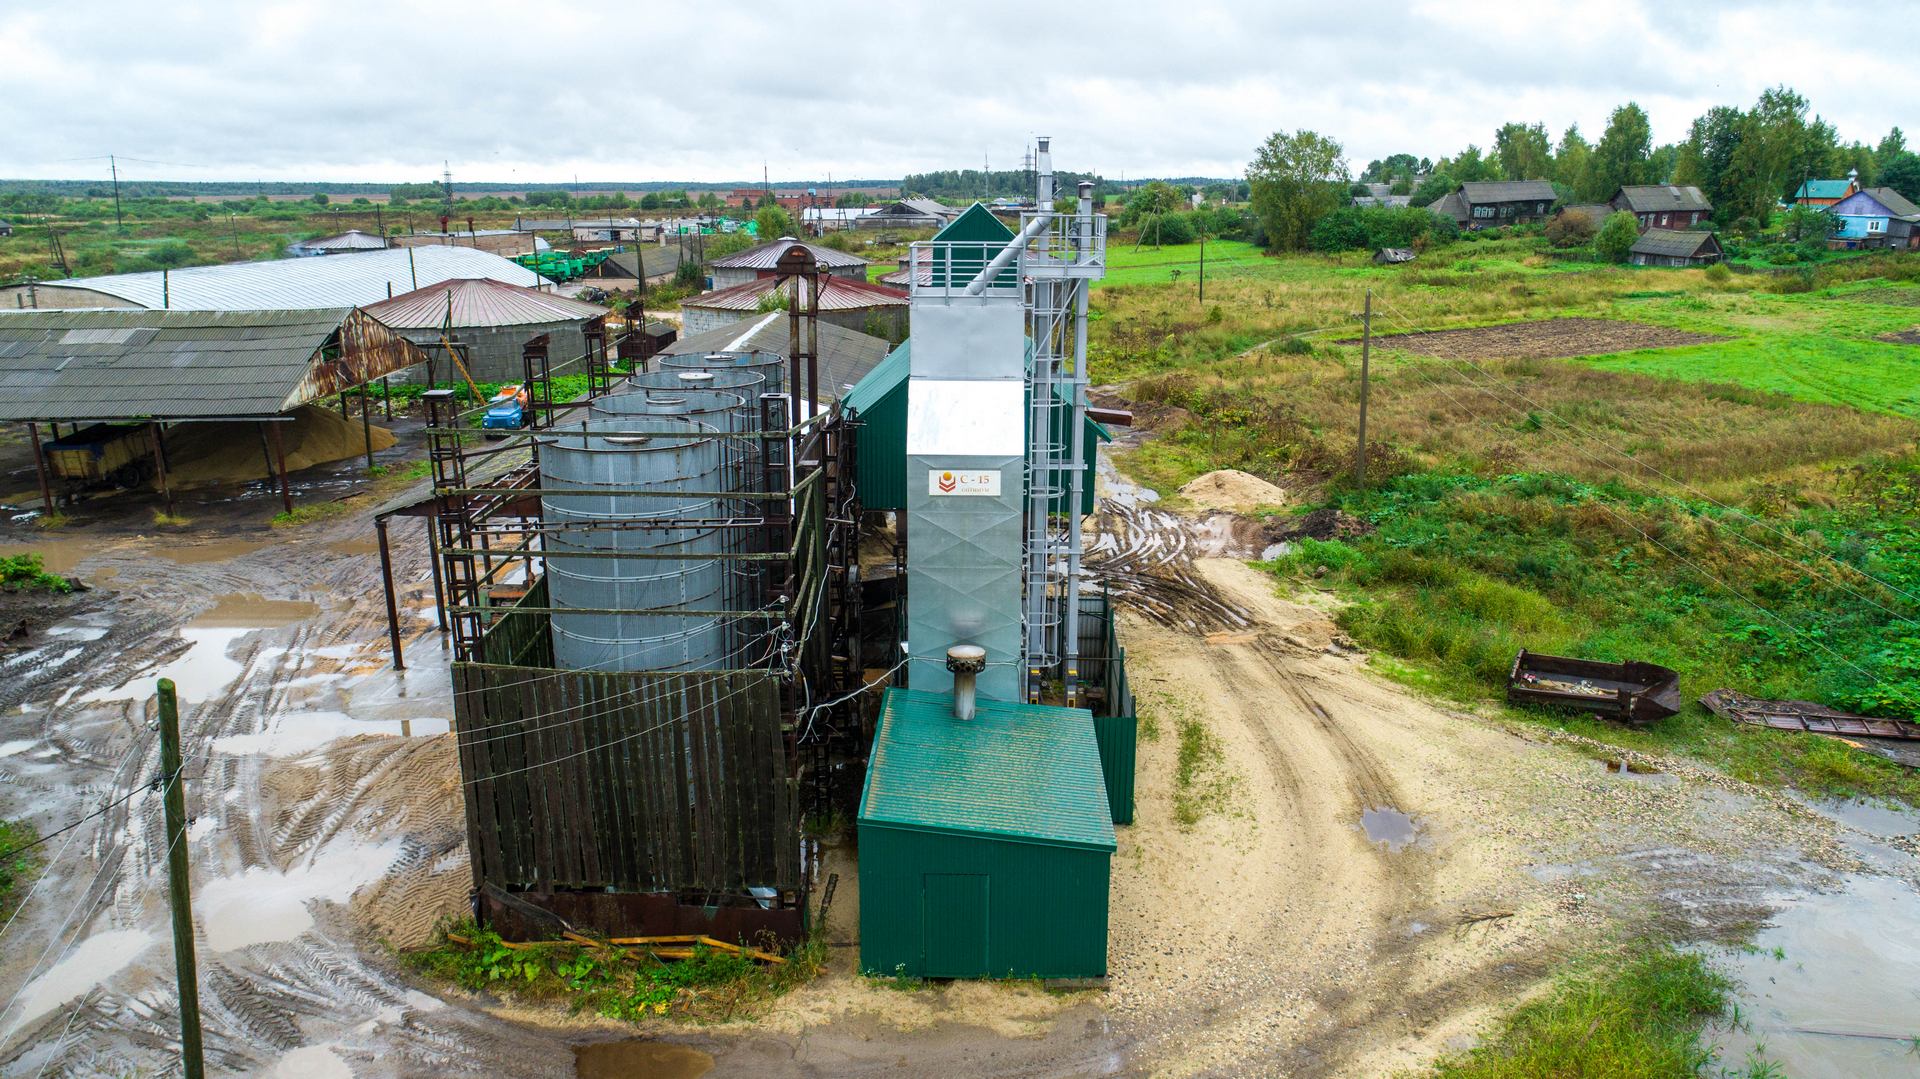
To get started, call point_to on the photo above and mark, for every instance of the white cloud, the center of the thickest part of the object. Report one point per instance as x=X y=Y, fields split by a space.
x=360 y=90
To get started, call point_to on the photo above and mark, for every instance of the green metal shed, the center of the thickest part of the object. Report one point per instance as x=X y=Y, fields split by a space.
x=985 y=844
x=879 y=402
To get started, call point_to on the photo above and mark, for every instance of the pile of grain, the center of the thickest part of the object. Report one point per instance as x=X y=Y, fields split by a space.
x=211 y=453
x=1232 y=490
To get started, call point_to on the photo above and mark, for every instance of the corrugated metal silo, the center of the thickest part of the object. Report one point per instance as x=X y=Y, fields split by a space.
x=661 y=455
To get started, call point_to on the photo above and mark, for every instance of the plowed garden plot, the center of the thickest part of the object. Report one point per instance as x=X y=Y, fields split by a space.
x=1541 y=340
x=1903 y=337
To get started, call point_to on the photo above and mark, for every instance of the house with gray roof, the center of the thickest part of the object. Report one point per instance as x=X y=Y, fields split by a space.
x=1483 y=204
x=1663 y=206
x=1672 y=247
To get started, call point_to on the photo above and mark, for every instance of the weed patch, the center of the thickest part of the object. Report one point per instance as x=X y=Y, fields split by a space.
x=710 y=985
x=1637 y=1016
x=25 y=573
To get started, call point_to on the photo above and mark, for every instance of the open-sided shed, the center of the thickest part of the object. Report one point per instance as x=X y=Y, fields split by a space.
x=131 y=366
x=985 y=844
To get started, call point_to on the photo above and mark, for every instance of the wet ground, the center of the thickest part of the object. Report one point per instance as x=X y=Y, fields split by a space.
x=1831 y=983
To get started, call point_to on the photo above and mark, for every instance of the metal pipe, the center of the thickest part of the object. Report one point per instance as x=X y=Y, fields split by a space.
x=966 y=661
x=1038 y=225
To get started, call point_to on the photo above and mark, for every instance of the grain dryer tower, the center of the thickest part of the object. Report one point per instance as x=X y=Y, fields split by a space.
x=986 y=822
x=996 y=401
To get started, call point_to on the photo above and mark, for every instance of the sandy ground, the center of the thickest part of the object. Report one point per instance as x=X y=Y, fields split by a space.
x=1233 y=490
x=1271 y=936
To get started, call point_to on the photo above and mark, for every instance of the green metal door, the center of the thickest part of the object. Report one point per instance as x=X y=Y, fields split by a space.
x=953 y=924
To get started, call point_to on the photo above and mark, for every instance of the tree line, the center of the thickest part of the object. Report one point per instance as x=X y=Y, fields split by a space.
x=1744 y=160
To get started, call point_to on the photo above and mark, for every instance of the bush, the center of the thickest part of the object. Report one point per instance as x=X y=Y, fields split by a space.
x=1570 y=228
x=1616 y=238
x=1372 y=227
x=1719 y=274
x=1170 y=228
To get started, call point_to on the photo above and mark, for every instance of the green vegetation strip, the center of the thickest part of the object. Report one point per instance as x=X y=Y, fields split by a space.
x=1461 y=571
x=627 y=983
x=1635 y=1017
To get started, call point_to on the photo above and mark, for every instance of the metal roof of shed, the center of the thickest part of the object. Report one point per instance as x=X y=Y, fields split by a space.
x=352 y=279
x=1015 y=771
x=846 y=356
x=765 y=256
x=479 y=302
x=1673 y=242
x=350 y=240
x=181 y=365
x=836 y=294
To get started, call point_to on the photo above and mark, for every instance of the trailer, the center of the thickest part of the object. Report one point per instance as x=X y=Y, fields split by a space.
x=106 y=454
x=1633 y=692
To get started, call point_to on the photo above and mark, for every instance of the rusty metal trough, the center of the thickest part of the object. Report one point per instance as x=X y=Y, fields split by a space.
x=1633 y=692
x=1805 y=716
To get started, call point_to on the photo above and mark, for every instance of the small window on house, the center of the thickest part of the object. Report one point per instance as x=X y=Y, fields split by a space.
x=1875 y=226
x=1663 y=219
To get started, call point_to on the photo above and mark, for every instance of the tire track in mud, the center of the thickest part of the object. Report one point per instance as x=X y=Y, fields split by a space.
x=1315 y=778
x=333 y=982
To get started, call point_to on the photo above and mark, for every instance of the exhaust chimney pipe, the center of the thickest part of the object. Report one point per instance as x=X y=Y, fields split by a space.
x=966 y=661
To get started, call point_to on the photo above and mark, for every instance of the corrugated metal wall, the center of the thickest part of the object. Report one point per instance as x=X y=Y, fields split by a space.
x=939 y=905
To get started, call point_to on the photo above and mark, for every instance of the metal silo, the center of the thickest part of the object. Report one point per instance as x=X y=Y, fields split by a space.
x=663 y=457
x=771 y=365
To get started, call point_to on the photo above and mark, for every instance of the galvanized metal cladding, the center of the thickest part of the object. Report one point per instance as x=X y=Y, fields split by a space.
x=681 y=459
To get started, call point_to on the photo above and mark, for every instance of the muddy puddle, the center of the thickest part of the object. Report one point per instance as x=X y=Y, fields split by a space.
x=1390 y=828
x=1831 y=985
x=636 y=1059
x=58 y=554
x=1635 y=772
x=244 y=610
x=196 y=554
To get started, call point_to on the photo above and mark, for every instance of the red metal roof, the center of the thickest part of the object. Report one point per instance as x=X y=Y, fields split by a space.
x=479 y=302
x=837 y=294
x=764 y=256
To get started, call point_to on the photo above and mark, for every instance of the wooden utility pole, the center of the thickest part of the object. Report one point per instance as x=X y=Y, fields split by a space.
x=175 y=797
x=1203 y=264
x=118 y=222
x=1366 y=350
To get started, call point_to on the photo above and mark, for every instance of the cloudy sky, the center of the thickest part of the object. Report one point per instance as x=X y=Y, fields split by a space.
x=521 y=92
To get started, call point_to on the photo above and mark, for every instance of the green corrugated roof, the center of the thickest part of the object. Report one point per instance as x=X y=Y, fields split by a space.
x=1021 y=771
x=976 y=223
x=1824 y=189
x=880 y=381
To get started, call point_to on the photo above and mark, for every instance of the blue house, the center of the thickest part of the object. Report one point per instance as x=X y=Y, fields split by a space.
x=1876 y=217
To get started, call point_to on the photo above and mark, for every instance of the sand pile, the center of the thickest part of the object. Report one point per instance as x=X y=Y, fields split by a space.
x=235 y=452
x=1233 y=490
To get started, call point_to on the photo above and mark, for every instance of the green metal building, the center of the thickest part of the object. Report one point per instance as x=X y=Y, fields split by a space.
x=985 y=844
x=879 y=402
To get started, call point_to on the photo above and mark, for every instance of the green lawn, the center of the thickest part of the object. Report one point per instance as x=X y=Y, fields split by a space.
x=1812 y=346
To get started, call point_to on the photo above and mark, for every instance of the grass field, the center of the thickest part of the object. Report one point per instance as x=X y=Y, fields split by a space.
x=1740 y=509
